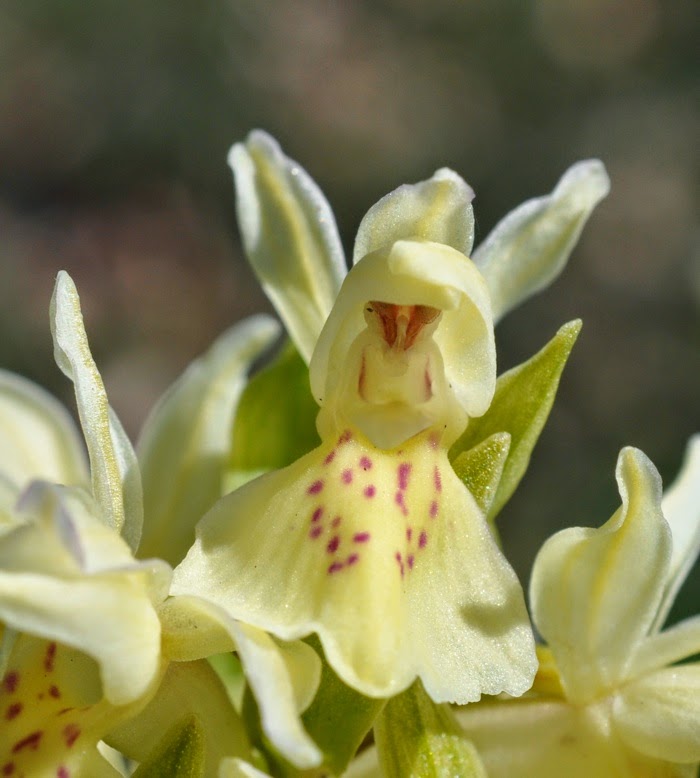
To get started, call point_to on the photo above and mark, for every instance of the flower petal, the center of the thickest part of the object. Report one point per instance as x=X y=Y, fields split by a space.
x=438 y=210
x=289 y=235
x=106 y=613
x=659 y=714
x=186 y=439
x=532 y=738
x=528 y=248
x=681 y=507
x=116 y=480
x=675 y=644
x=385 y=555
x=594 y=592
x=38 y=437
x=53 y=712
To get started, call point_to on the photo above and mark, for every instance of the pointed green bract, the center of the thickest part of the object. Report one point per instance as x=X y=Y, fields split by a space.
x=528 y=248
x=416 y=737
x=116 y=478
x=38 y=437
x=520 y=407
x=480 y=468
x=180 y=753
x=186 y=439
x=339 y=717
x=438 y=210
x=289 y=235
x=276 y=417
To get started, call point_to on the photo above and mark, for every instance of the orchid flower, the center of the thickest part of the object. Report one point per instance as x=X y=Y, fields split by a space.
x=609 y=699
x=91 y=647
x=370 y=540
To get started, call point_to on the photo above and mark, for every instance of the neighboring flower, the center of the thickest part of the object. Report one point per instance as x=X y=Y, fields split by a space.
x=88 y=636
x=81 y=636
x=609 y=699
x=370 y=540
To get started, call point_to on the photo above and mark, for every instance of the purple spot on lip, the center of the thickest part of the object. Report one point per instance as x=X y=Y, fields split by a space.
x=316 y=515
x=315 y=531
x=409 y=533
x=369 y=491
x=423 y=539
x=346 y=437
x=397 y=557
x=410 y=561
x=333 y=544
x=329 y=458
x=365 y=463
x=315 y=487
x=346 y=476
x=335 y=567
x=433 y=509
x=398 y=499
x=403 y=472
x=352 y=559
x=361 y=537
x=437 y=479
x=336 y=521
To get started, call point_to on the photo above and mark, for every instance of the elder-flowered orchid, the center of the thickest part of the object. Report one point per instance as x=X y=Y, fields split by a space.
x=92 y=647
x=609 y=699
x=370 y=540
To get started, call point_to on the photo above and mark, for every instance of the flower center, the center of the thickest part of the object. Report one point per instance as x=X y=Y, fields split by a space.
x=399 y=325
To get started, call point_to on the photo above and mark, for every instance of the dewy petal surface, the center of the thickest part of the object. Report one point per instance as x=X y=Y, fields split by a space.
x=595 y=592
x=38 y=437
x=659 y=714
x=289 y=234
x=438 y=210
x=385 y=555
x=116 y=478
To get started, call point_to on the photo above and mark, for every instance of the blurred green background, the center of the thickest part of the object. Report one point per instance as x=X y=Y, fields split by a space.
x=115 y=121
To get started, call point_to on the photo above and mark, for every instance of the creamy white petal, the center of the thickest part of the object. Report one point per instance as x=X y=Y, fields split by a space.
x=675 y=644
x=681 y=507
x=530 y=246
x=659 y=714
x=186 y=439
x=116 y=479
x=594 y=592
x=289 y=235
x=438 y=210
x=38 y=437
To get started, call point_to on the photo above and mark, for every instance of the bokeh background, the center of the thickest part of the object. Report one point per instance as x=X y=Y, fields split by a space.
x=115 y=121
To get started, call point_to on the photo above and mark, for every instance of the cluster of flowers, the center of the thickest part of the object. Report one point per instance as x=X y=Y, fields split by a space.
x=351 y=578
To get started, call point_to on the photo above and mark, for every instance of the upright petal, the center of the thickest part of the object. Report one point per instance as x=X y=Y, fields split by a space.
x=681 y=507
x=38 y=437
x=186 y=439
x=116 y=479
x=530 y=246
x=438 y=210
x=595 y=592
x=289 y=235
